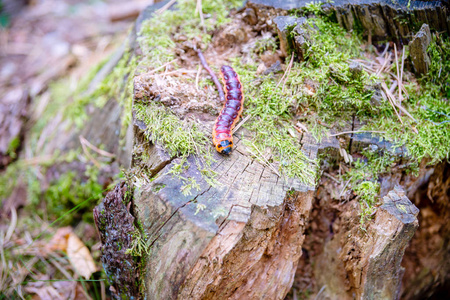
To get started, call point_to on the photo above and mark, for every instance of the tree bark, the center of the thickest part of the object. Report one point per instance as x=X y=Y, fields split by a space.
x=245 y=243
x=243 y=237
x=368 y=261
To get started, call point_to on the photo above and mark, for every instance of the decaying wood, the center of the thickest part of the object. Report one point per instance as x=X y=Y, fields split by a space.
x=243 y=236
x=117 y=237
x=249 y=233
x=370 y=260
x=379 y=19
x=418 y=50
x=427 y=259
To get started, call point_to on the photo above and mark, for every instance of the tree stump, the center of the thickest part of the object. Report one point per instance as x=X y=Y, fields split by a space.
x=370 y=259
x=379 y=19
x=245 y=242
x=242 y=236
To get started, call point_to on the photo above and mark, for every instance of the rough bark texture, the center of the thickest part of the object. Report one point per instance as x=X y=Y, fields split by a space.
x=335 y=248
x=115 y=225
x=369 y=259
x=381 y=19
x=427 y=259
x=418 y=50
x=243 y=237
x=249 y=234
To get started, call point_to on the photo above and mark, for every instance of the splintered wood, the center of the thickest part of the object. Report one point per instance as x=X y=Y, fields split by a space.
x=366 y=259
x=222 y=241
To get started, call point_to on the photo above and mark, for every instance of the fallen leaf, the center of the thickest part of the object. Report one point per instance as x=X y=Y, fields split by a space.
x=80 y=257
x=59 y=239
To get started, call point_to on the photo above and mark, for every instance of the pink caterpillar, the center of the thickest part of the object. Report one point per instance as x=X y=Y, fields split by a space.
x=232 y=110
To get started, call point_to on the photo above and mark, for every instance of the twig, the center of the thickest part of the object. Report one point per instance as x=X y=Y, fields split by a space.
x=240 y=124
x=385 y=49
x=331 y=177
x=37 y=160
x=213 y=76
x=159 y=68
x=399 y=106
x=265 y=160
x=288 y=71
x=88 y=154
x=54 y=262
x=3 y=267
x=440 y=123
x=384 y=64
x=358 y=131
x=320 y=292
x=99 y=151
x=343 y=189
x=102 y=290
x=401 y=77
x=165 y=7
x=12 y=226
x=439 y=113
x=198 y=9
x=390 y=99
x=302 y=126
x=393 y=86
x=198 y=76
x=398 y=77
x=285 y=72
x=165 y=72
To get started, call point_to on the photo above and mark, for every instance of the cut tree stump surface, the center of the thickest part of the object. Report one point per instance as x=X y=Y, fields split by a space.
x=242 y=237
x=250 y=227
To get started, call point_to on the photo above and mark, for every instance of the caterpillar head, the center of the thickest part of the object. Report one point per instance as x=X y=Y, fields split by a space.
x=224 y=147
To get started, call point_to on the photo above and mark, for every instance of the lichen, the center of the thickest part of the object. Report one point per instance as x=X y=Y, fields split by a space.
x=122 y=243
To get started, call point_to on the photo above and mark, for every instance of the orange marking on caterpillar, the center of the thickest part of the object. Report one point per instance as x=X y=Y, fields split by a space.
x=231 y=111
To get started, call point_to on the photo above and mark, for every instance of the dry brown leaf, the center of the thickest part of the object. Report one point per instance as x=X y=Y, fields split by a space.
x=59 y=240
x=80 y=257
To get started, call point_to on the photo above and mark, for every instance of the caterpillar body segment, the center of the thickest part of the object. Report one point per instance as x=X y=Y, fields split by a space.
x=231 y=111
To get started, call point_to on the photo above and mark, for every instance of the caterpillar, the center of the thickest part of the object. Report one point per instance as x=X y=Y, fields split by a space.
x=231 y=111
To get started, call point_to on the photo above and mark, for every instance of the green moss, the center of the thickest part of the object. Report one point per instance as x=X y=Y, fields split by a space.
x=363 y=178
x=68 y=191
x=9 y=179
x=270 y=123
x=12 y=147
x=320 y=92
x=336 y=97
x=272 y=107
x=67 y=97
x=180 y=138
x=156 y=188
x=367 y=191
x=118 y=84
x=182 y=21
x=429 y=137
x=265 y=44
x=139 y=245
x=439 y=72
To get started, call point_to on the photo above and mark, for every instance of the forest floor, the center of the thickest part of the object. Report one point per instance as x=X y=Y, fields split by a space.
x=42 y=42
